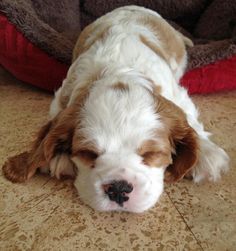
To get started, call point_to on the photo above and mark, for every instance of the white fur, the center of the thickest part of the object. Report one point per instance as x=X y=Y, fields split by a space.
x=117 y=123
x=60 y=166
x=147 y=182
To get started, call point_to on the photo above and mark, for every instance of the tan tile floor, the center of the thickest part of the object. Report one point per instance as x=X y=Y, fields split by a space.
x=46 y=214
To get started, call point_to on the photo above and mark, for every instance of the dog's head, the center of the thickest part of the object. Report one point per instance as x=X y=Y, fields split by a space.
x=127 y=138
x=122 y=137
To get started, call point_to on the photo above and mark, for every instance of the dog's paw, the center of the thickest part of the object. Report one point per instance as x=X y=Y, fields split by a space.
x=213 y=161
x=15 y=168
x=61 y=166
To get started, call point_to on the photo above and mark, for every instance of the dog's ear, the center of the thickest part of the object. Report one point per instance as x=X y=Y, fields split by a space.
x=182 y=137
x=53 y=138
x=21 y=167
x=59 y=138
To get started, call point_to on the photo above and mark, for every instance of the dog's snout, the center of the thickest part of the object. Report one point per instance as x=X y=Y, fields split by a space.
x=117 y=191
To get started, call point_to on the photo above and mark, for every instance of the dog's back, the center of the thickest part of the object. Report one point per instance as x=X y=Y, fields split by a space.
x=130 y=36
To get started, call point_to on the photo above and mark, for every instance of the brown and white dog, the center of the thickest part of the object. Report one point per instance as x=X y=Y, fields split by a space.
x=121 y=118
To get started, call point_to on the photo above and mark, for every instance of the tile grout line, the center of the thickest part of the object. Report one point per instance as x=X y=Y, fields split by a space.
x=198 y=242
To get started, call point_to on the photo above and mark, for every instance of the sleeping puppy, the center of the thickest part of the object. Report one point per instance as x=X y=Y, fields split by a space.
x=121 y=119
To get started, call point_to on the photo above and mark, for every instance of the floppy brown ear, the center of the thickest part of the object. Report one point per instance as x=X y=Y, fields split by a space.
x=53 y=138
x=182 y=137
x=59 y=139
x=21 y=167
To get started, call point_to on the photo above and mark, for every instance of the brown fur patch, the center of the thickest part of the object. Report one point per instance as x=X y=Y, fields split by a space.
x=183 y=139
x=155 y=87
x=59 y=138
x=88 y=37
x=120 y=86
x=15 y=168
x=82 y=94
x=64 y=100
x=172 y=41
x=155 y=153
x=154 y=47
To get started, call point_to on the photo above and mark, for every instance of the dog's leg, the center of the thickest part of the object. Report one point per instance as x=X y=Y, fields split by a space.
x=61 y=166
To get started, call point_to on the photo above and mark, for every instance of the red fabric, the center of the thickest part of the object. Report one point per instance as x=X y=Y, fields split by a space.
x=219 y=76
x=26 y=61
x=32 y=65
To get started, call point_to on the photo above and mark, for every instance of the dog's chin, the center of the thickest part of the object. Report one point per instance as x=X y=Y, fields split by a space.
x=145 y=194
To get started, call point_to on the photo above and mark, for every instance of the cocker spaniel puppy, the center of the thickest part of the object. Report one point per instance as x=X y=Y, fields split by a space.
x=121 y=123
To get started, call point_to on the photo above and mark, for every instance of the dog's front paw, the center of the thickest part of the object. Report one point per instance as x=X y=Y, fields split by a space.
x=16 y=169
x=213 y=161
x=61 y=166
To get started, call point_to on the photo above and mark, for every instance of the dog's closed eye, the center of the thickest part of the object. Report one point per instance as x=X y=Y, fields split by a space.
x=155 y=153
x=87 y=156
x=156 y=159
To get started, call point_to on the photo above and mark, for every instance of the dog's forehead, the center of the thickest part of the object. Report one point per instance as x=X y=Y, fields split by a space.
x=119 y=116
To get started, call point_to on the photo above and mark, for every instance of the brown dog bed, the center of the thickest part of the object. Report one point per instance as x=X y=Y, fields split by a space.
x=53 y=27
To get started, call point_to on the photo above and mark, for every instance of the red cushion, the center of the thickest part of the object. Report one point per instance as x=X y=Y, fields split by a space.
x=26 y=61
x=219 y=76
x=32 y=65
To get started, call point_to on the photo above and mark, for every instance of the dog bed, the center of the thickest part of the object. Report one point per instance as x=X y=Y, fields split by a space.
x=26 y=61
x=37 y=47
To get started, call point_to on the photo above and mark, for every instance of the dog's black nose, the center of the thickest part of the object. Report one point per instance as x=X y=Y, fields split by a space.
x=117 y=191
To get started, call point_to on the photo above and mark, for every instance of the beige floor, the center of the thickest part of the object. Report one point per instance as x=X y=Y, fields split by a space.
x=46 y=214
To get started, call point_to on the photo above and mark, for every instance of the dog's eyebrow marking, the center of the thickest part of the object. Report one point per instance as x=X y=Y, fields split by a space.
x=120 y=86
